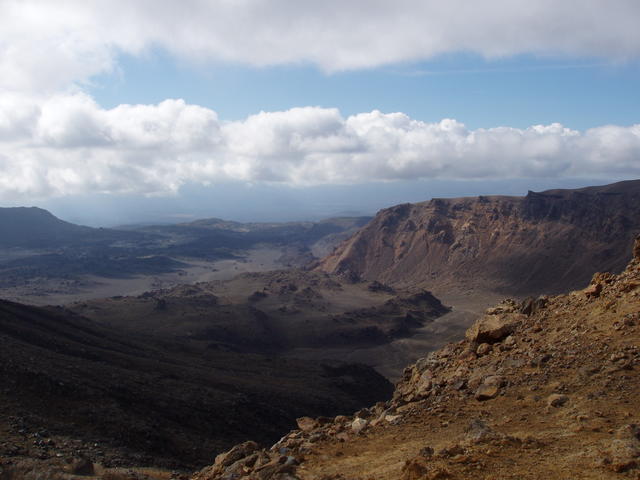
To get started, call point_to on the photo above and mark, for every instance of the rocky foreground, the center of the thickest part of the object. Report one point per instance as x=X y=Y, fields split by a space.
x=543 y=389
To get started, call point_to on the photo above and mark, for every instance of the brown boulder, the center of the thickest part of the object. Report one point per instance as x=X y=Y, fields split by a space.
x=306 y=424
x=483 y=349
x=358 y=425
x=238 y=452
x=490 y=388
x=493 y=328
x=593 y=290
x=487 y=392
x=424 y=383
x=557 y=400
x=531 y=305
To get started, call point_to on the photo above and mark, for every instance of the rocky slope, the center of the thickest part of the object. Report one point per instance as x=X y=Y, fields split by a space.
x=70 y=387
x=544 y=242
x=542 y=389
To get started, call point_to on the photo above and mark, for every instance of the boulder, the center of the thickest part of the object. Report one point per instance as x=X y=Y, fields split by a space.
x=479 y=432
x=483 y=349
x=424 y=383
x=306 y=424
x=420 y=468
x=557 y=400
x=358 y=425
x=490 y=388
x=493 y=328
x=238 y=452
x=487 y=392
x=531 y=305
x=508 y=305
x=341 y=419
x=593 y=290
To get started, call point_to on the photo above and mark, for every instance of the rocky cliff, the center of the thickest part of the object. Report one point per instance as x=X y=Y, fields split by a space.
x=542 y=243
x=541 y=389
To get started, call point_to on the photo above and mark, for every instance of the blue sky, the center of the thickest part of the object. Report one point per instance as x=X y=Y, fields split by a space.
x=521 y=91
x=114 y=111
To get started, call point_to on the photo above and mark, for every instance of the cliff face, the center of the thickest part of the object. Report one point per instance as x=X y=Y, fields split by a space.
x=541 y=243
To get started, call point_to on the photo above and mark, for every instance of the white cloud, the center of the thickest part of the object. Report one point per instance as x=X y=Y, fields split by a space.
x=55 y=140
x=48 y=45
x=67 y=144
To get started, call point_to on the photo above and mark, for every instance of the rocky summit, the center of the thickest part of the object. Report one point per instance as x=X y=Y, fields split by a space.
x=546 y=388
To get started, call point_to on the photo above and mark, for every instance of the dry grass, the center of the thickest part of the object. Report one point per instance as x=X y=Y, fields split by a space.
x=32 y=469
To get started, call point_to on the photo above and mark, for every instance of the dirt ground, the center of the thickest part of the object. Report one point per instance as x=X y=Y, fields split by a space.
x=42 y=291
x=390 y=359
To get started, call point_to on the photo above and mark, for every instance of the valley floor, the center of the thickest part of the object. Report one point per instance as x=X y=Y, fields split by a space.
x=391 y=358
x=57 y=291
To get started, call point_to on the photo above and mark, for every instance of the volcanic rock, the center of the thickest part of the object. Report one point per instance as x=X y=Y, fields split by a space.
x=493 y=328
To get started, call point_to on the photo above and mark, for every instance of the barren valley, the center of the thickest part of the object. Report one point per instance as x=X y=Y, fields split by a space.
x=162 y=346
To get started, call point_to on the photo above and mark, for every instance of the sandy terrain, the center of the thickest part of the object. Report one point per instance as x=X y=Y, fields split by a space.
x=41 y=291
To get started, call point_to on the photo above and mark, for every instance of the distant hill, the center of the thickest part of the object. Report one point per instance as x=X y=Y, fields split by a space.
x=32 y=227
x=35 y=227
x=543 y=242
x=201 y=235
x=36 y=247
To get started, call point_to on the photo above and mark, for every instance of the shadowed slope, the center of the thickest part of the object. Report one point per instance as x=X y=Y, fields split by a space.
x=150 y=402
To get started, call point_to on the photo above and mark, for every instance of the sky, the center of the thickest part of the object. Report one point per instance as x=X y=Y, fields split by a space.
x=117 y=112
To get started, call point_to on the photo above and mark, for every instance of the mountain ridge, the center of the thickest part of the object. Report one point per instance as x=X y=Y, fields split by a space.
x=543 y=242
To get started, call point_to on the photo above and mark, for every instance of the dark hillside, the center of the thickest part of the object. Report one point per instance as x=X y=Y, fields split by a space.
x=151 y=402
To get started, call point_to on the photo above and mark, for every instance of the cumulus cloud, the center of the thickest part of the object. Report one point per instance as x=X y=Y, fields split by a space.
x=48 y=45
x=67 y=144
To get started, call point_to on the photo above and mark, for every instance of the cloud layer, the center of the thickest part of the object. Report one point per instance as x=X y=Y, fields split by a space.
x=55 y=140
x=67 y=144
x=47 y=45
